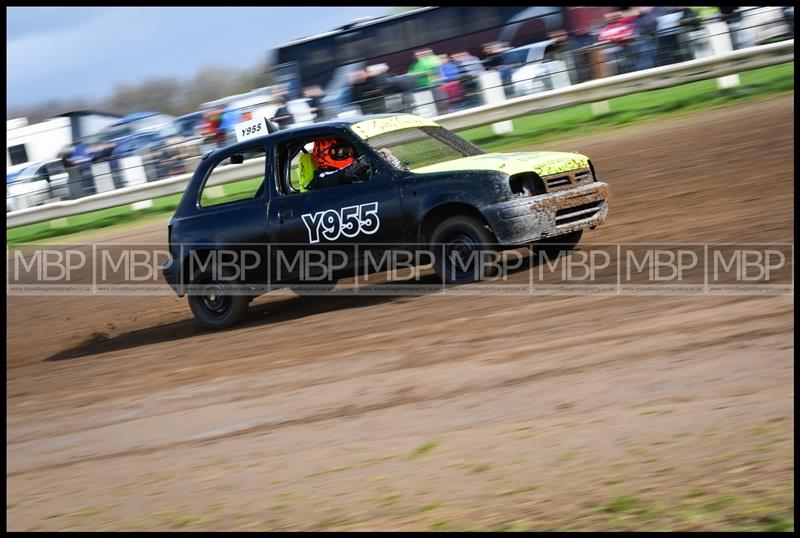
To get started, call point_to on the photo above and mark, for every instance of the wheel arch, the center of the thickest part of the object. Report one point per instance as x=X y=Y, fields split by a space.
x=436 y=215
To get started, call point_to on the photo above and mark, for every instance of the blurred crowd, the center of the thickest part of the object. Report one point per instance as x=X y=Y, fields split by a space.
x=627 y=39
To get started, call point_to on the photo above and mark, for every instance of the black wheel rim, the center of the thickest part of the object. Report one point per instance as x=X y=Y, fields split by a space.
x=460 y=246
x=215 y=300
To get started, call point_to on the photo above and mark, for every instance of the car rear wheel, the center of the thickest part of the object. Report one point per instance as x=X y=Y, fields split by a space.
x=214 y=304
x=462 y=246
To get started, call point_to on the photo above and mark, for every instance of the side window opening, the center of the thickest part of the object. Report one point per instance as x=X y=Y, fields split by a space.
x=215 y=192
x=299 y=166
x=298 y=152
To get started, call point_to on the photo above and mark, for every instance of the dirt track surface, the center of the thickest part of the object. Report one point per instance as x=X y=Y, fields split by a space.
x=437 y=412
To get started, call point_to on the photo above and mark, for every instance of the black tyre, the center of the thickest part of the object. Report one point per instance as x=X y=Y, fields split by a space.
x=459 y=245
x=552 y=247
x=214 y=305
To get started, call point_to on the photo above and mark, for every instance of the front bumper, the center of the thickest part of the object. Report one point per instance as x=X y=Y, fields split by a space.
x=549 y=215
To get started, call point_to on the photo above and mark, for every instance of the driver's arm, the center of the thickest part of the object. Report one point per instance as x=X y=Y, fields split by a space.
x=342 y=176
x=387 y=154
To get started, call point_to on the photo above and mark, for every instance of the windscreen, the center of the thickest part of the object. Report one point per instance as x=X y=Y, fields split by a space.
x=423 y=146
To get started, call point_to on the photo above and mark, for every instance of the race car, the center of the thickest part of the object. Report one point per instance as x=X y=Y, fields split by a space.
x=417 y=186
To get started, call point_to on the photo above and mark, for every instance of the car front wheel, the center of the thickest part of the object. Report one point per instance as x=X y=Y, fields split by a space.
x=462 y=246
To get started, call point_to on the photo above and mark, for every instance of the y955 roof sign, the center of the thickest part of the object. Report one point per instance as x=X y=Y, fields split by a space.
x=251 y=129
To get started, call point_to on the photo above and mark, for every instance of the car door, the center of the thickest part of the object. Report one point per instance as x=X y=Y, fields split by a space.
x=337 y=225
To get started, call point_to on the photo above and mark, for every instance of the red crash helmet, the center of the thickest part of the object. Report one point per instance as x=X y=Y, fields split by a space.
x=332 y=153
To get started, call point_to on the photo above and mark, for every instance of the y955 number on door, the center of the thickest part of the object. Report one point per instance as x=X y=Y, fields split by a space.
x=348 y=222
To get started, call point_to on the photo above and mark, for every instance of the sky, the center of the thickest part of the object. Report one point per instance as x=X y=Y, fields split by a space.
x=64 y=53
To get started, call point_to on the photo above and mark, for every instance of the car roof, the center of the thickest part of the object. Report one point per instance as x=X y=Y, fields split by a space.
x=338 y=123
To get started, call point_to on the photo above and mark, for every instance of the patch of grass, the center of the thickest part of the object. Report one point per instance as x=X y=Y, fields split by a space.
x=175 y=518
x=480 y=468
x=718 y=503
x=390 y=499
x=186 y=520
x=614 y=481
x=517 y=491
x=622 y=503
x=216 y=506
x=429 y=506
x=327 y=523
x=636 y=107
x=423 y=449
x=698 y=491
x=372 y=461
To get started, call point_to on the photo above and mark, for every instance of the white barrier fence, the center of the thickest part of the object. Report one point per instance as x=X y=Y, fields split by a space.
x=586 y=92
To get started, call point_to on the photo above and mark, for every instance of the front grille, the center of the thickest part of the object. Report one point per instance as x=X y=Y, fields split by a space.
x=583 y=176
x=578 y=212
x=567 y=180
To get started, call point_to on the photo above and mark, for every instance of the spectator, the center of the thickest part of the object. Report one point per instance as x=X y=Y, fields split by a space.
x=493 y=55
x=617 y=35
x=213 y=136
x=370 y=90
x=314 y=95
x=282 y=118
x=450 y=76
x=471 y=69
x=227 y=124
x=379 y=73
x=358 y=88
x=425 y=68
x=644 y=42
x=79 y=168
x=469 y=64
x=733 y=17
x=494 y=60
x=788 y=16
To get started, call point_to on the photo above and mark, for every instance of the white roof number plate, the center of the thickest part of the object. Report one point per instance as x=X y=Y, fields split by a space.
x=251 y=129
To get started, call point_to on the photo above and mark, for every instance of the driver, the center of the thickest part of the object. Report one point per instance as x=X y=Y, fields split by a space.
x=331 y=162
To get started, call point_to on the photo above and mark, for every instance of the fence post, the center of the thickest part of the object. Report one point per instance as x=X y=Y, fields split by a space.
x=424 y=104
x=719 y=39
x=493 y=93
x=132 y=170
x=102 y=177
x=133 y=173
x=599 y=69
